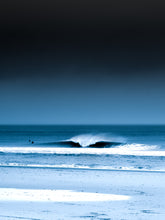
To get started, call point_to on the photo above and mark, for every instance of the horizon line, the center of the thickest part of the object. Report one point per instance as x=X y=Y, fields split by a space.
x=75 y=124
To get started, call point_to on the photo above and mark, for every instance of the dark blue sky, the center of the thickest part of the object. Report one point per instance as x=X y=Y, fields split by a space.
x=82 y=62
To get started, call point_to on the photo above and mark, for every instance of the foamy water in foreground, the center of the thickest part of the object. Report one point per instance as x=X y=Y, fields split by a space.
x=44 y=195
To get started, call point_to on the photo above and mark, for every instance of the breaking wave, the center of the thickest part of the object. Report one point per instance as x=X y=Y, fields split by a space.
x=92 y=140
x=89 y=140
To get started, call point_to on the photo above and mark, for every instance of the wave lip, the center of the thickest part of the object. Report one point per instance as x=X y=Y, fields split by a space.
x=69 y=143
x=99 y=144
x=104 y=144
x=89 y=140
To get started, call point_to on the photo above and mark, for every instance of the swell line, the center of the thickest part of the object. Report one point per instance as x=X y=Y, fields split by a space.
x=74 y=166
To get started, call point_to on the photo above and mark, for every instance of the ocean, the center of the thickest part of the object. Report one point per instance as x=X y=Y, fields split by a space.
x=82 y=172
x=139 y=148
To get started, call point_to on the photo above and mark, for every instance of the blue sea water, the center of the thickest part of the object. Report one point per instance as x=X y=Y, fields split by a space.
x=138 y=148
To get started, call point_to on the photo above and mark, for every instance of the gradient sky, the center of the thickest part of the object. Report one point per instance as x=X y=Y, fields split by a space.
x=82 y=62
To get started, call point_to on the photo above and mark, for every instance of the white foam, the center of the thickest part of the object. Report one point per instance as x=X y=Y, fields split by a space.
x=137 y=147
x=45 y=195
x=122 y=150
x=88 y=139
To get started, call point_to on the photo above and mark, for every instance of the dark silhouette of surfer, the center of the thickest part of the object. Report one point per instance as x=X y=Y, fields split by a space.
x=32 y=142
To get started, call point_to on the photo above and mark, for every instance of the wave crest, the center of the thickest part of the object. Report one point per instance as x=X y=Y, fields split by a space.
x=89 y=140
